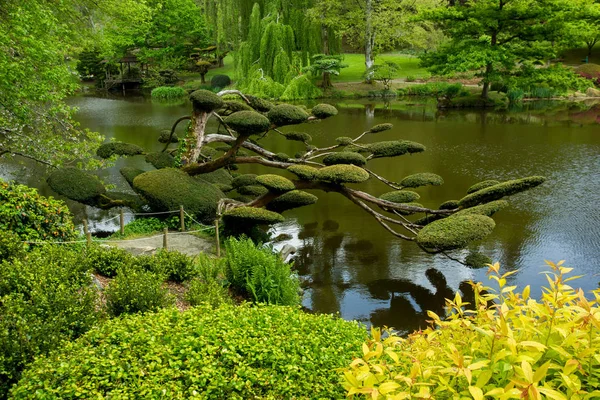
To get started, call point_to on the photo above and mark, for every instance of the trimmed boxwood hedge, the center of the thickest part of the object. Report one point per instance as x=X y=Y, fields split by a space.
x=276 y=183
x=305 y=172
x=324 y=111
x=381 y=127
x=205 y=101
x=293 y=199
x=129 y=173
x=77 y=185
x=287 y=114
x=297 y=136
x=400 y=196
x=501 y=190
x=482 y=185
x=343 y=173
x=243 y=352
x=455 y=232
x=244 y=180
x=110 y=149
x=251 y=216
x=247 y=122
x=422 y=179
x=395 y=148
x=344 y=157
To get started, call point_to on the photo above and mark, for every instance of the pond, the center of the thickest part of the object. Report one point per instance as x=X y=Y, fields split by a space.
x=354 y=266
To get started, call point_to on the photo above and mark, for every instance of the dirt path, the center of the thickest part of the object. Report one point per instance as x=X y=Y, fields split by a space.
x=182 y=242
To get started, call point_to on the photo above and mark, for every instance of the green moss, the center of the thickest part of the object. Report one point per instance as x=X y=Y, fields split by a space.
x=344 y=140
x=290 y=200
x=287 y=114
x=481 y=185
x=166 y=189
x=160 y=160
x=344 y=157
x=324 y=111
x=115 y=199
x=395 y=148
x=487 y=209
x=381 y=127
x=251 y=216
x=477 y=260
x=343 y=174
x=426 y=220
x=305 y=172
x=400 y=196
x=282 y=157
x=455 y=232
x=110 y=149
x=276 y=183
x=449 y=205
x=259 y=104
x=205 y=101
x=221 y=176
x=422 y=179
x=76 y=184
x=223 y=187
x=235 y=106
x=164 y=137
x=253 y=190
x=248 y=122
x=129 y=173
x=298 y=136
x=208 y=151
x=501 y=190
x=244 y=180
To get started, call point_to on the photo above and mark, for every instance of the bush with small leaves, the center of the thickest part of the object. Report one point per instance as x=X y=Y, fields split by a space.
x=422 y=179
x=220 y=81
x=173 y=265
x=394 y=148
x=212 y=293
x=110 y=149
x=244 y=180
x=449 y=205
x=251 y=216
x=276 y=183
x=248 y=122
x=298 y=136
x=305 y=172
x=381 y=127
x=107 y=260
x=501 y=190
x=77 y=185
x=344 y=140
x=219 y=176
x=259 y=104
x=205 y=101
x=11 y=246
x=166 y=137
x=400 y=196
x=252 y=190
x=286 y=114
x=487 y=209
x=477 y=260
x=455 y=232
x=290 y=200
x=129 y=173
x=323 y=111
x=342 y=173
x=481 y=185
x=344 y=157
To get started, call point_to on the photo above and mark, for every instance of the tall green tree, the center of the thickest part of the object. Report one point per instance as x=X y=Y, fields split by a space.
x=584 y=27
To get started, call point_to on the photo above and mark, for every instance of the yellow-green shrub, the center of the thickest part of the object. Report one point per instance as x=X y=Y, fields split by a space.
x=504 y=346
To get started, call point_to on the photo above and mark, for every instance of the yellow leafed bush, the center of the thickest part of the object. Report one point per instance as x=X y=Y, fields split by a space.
x=506 y=345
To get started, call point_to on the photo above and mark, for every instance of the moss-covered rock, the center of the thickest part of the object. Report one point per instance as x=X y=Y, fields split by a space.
x=129 y=173
x=276 y=183
x=487 y=209
x=160 y=160
x=166 y=189
x=422 y=179
x=381 y=127
x=244 y=180
x=344 y=140
x=449 y=205
x=110 y=149
x=455 y=232
x=77 y=185
x=298 y=136
x=477 y=260
x=342 y=173
x=121 y=199
x=345 y=157
x=165 y=135
x=324 y=111
x=394 y=148
x=482 y=185
x=259 y=104
x=251 y=216
x=400 y=196
x=287 y=114
x=501 y=190
x=221 y=176
x=248 y=122
x=305 y=172
x=205 y=101
x=290 y=200
x=252 y=190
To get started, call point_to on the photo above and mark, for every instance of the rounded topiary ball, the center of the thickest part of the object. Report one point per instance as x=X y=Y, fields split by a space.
x=205 y=101
x=248 y=122
x=220 y=81
x=324 y=111
x=287 y=114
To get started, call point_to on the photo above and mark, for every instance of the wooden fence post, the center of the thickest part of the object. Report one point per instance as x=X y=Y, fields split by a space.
x=122 y=221
x=165 y=234
x=182 y=219
x=86 y=232
x=217 y=235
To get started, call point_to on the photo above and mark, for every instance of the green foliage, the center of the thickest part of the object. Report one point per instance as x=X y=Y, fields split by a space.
x=251 y=216
x=220 y=81
x=166 y=137
x=76 y=184
x=482 y=185
x=323 y=111
x=344 y=157
x=503 y=345
x=276 y=183
x=435 y=89
x=449 y=205
x=253 y=190
x=259 y=104
x=33 y=217
x=110 y=149
x=455 y=232
x=301 y=88
x=344 y=140
x=205 y=101
x=501 y=190
x=212 y=293
x=381 y=127
x=298 y=136
x=394 y=148
x=146 y=225
x=286 y=114
x=326 y=65
x=46 y=299
x=168 y=93
x=234 y=105
x=106 y=260
x=487 y=209
x=166 y=189
x=239 y=353
x=173 y=265
x=160 y=160
x=422 y=179
x=129 y=173
x=248 y=122
x=10 y=246
x=305 y=172
x=136 y=291
x=219 y=176
x=384 y=73
x=290 y=200
x=494 y=100
x=342 y=173
x=259 y=273
x=244 y=180
x=400 y=196
x=548 y=82
x=261 y=86
x=477 y=260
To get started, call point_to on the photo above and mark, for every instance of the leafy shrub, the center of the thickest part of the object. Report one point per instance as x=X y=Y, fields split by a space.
x=501 y=345
x=107 y=260
x=10 y=246
x=257 y=272
x=220 y=81
x=410 y=78
x=135 y=291
x=211 y=292
x=515 y=95
x=541 y=92
x=45 y=299
x=245 y=352
x=437 y=89
x=173 y=265
x=301 y=88
x=197 y=85
x=168 y=93
x=148 y=225
x=557 y=77
x=33 y=217
x=589 y=71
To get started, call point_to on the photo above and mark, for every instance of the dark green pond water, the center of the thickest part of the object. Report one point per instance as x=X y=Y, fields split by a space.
x=352 y=262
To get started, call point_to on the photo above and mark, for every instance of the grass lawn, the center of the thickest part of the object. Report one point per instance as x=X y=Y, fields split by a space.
x=409 y=66
x=576 y=56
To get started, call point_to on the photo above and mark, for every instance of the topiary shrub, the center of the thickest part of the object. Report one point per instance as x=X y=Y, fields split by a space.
x=106 y=260
x=286 y=114
x=160 y=160
x=251 y=216
x=220 y=81
x=394 y=148
x=253 y=190
x=505 y=345
x=477 y=260
x=235 y=105
x=259 y=104
x=33 y=217
x=304 y=171
x=487 y=209
x=381 y=127
x=344 y=140
x=290 y=200
x=166 y=189
x=219 y=176
x=166 y=137
x=298 y=136
x=422 y=179
x=205 y=101
x=110 y=149
x=482 y=185
x=455 y=232
x=400 y=196
x=323 y=111
x=342 y=174
x=240 y=352
x=248 y=122
x=276 y=183
x=449 y=205
x=244 y=180
x=129 y=173
x=501 y=190
x=344 y=157
x=77 y=185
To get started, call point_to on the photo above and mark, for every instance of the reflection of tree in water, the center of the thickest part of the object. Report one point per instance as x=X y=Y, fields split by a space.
x=404 y=295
